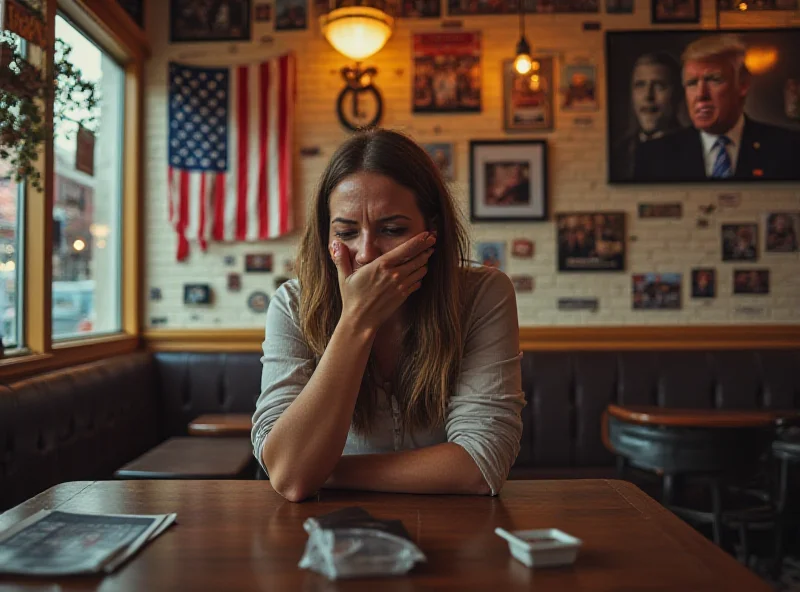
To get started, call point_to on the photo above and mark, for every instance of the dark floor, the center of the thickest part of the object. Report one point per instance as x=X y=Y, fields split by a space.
x=761 y=543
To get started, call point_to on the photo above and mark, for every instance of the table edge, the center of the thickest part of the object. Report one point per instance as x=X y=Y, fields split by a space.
x=721 y=417
x=672 y=526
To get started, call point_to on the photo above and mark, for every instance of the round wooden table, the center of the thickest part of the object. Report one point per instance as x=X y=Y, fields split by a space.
x=723 y=446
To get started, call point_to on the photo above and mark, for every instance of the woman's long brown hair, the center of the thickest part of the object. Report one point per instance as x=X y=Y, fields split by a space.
x=429 y=360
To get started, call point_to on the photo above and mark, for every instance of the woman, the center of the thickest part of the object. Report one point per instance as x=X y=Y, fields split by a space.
x=390 y=364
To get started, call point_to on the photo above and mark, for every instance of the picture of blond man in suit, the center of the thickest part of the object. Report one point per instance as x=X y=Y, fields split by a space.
x=724 y=143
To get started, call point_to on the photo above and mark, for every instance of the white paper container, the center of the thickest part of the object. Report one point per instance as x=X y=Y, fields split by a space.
x=541 y=548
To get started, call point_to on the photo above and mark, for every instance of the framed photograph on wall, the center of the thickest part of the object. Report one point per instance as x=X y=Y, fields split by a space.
x=591 y=241
x=191 y=20
x=528 y=98
x=508 y=180
x=674 y=11
x=655 y=137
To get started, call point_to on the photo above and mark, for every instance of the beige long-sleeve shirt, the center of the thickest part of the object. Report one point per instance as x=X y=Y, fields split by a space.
x=483 y=414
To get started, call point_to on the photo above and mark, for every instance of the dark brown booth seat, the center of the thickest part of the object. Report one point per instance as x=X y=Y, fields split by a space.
x=88 y=421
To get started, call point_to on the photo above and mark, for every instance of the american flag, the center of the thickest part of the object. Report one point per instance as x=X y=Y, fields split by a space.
x=230 y=152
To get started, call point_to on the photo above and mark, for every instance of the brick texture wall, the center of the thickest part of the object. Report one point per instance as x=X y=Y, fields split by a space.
x=577 y=154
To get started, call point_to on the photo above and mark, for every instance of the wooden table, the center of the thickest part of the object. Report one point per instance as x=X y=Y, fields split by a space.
x=704 y=418
x=192 y=458
x=241 y=535
x=223 y=424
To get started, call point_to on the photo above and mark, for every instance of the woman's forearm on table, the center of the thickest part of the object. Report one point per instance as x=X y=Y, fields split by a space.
x=307 y=441
x=443 y=468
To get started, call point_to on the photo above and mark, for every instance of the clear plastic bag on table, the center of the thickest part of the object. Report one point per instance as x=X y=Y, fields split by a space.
x=350 y=543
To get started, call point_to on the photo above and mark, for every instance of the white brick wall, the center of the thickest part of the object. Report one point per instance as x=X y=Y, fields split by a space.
x=577 y=171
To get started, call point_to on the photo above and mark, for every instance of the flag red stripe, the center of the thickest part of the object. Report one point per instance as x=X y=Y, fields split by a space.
x=263 y=161
x=201 y=230
x=170 y=196
x=284 y=172
x=183 y=244
x=242 y=134
x=218 y=230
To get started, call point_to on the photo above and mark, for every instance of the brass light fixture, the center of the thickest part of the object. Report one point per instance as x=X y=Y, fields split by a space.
x=358 y=32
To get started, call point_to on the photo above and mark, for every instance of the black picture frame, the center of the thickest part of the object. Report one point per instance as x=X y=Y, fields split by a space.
x=183 y=29
x=772 y=119
x=527 y=200
x=658 y=8
x=587 y=243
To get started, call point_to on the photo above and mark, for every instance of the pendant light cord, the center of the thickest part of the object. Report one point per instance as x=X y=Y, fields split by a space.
x=522 y=18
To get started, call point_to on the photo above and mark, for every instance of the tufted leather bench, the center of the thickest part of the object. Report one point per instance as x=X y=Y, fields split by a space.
x=86 y=422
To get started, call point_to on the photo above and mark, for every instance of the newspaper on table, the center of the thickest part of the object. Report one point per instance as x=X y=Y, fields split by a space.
x=55 y=543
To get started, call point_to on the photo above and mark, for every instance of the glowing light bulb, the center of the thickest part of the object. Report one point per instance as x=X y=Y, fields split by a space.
x=523 y=63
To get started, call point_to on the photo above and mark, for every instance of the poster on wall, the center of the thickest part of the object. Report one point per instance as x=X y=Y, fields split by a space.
x=579 y=86
x=663 y=124
x=528 y=98
x=191 y=20
x=447 y=72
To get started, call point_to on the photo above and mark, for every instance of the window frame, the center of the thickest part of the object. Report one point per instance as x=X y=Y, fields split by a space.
x=113 y=30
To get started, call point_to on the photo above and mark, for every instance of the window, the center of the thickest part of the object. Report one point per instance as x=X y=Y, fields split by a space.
x=87 y=200
x=11 y=241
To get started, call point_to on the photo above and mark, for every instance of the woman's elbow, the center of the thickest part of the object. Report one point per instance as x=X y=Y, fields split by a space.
x=292 y=490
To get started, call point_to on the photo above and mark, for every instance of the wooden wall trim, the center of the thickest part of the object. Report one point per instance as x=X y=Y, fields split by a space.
x=111 y=26
x=531 y=338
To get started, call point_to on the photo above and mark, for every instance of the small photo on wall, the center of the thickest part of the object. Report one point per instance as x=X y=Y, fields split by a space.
x=661 y=210
x=782 y=229
x=263 y=13
x=704 y=283
x=442 y=156
x=619 y=6
x=290 y=15
x=196 y=294
x=579 y=87
x=192 y=20
x=675 y=11
x=420 y=9
x=258 y=262
x=656 y=291
x=739 y=242
x=492 y=255
x=591 y=241
x=751 y=281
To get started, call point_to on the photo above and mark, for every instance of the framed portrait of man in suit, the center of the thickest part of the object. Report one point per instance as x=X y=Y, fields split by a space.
x=694 y=106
